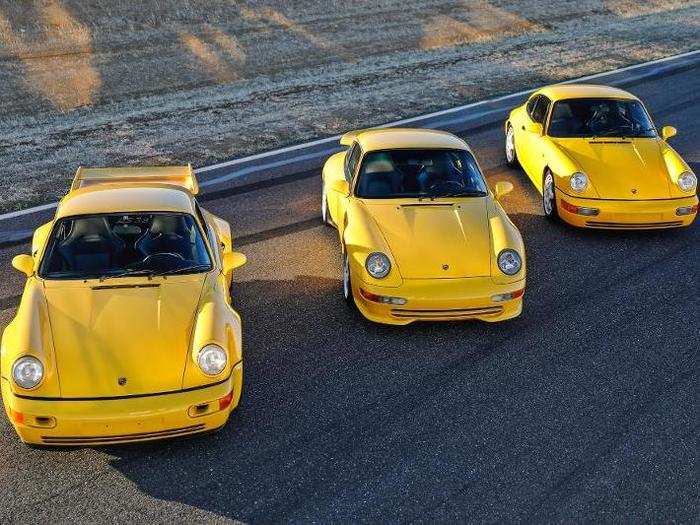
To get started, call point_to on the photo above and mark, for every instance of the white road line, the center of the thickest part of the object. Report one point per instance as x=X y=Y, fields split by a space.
x=268 y=166
x=28 y=211
x=306 y=145
x=441 y=112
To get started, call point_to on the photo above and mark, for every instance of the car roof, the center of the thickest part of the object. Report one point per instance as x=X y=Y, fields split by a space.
x=118 y=198
x=568 y=91
x=407 y=138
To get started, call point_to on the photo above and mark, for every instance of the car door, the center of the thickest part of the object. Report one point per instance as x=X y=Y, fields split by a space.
x=531 y=134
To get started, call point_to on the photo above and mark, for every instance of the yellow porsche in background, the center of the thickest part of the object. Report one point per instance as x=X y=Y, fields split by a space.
x=125 y=330
x=598 y=161
x=422 y=236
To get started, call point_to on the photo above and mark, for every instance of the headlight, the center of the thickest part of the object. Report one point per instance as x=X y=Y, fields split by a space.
x=687 y=181
x=211 y=359
x=578 y=181
x=509 y=262
x=27 y=371
x=378 y=265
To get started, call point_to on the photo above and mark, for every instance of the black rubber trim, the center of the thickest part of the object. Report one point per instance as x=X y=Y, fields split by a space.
x=131 y=396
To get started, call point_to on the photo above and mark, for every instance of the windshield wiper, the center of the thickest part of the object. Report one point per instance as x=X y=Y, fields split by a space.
x=173 y=271
x=459 y=194
x=609 y=133
x=127 y=272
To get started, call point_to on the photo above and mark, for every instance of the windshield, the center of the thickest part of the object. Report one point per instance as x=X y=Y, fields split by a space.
x=597 y=117
x=419 y=173
x=115 y=245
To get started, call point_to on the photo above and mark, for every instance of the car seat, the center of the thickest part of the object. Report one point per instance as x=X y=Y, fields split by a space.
x=379 y=178
x=166 y=234
x=90 y=245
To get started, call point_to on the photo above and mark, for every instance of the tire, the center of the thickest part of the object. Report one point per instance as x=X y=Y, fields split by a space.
x=509 y=147
x=549 y=197
x=325 y=217
x=347 y=282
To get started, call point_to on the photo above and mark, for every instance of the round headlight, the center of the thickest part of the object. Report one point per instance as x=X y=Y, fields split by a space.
x=687 y=181
x=378 y=265
x=509 y=262
x=27 y=371
x=578 y=181
x=212 y=360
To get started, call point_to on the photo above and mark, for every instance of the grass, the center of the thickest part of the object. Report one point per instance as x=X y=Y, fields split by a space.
x=117 y=82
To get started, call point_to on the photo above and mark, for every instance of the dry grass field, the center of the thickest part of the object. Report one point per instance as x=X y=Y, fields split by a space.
x=110 y=82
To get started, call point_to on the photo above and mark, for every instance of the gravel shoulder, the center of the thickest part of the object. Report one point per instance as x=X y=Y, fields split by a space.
x=113 y=83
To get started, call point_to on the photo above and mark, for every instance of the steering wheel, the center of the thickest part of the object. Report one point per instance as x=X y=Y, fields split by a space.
x=448 y=185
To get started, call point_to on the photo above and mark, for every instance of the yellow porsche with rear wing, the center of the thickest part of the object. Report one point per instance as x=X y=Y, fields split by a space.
x=125 y=330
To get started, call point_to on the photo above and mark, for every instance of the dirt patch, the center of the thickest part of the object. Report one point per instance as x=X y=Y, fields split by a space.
x=114 y=82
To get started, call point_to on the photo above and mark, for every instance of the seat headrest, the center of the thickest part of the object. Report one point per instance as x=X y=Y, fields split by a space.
x=90 y=226
x=167 y=224
x=564 y=111
x=378 y=166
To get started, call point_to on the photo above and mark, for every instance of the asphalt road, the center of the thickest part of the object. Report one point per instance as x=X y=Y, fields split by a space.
x=583 y=409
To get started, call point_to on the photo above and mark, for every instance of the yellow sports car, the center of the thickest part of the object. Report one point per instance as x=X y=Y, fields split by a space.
x=125 y=330
x=422 y=236
x=598 y=161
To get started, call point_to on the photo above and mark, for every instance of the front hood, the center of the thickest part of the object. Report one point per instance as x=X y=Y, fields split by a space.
x=435 y=239
x=628 y=169
x=139 y=332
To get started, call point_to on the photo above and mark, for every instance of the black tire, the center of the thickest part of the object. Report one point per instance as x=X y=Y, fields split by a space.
x=347 y=282
x=509 y=148
x=325 y=217
x=549 y=197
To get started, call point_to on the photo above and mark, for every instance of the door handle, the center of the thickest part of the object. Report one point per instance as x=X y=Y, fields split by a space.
x=523 y=127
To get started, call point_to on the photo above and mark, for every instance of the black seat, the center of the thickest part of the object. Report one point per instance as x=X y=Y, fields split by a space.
x=90 y=246
x=379 y=179
x=167 y=234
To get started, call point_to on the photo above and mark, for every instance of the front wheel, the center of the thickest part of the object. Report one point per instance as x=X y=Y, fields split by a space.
x=325 y=218
x=347 y=283
x=549 y=199
x=511 y=155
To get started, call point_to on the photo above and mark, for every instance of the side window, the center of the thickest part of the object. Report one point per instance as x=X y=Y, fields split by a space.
x=539 y=112
x=351 y=161
x=200 y=216
x=214 y=242
x=531 y=105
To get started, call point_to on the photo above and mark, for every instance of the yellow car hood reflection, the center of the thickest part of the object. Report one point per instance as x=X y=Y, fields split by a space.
x=440 y=232
x=631 y=169
x=139 y=331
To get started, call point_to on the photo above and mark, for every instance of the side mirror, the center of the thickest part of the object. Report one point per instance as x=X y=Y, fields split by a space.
x=233 y=260
x=341 y=186
x=24 y=263
x=502 y=189
x=667 y=132
x=533 y=127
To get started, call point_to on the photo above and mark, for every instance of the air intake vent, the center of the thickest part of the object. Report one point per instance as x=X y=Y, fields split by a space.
x=121 y=438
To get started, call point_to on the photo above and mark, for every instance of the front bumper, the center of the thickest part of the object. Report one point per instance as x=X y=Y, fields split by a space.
x=627 y=215
x=126 y=420
x=439 y=300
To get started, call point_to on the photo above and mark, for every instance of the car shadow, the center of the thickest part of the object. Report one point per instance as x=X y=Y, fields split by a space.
x=331 y=401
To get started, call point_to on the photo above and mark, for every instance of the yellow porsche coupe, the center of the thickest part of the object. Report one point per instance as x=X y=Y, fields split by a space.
x=422 y=236
x=598 y=161
x=125 y=330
